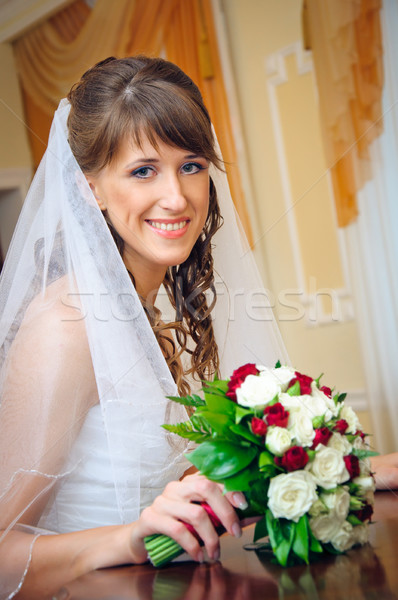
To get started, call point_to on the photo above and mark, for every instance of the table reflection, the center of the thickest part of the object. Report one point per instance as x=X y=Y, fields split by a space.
x=365 y=573
x=185 y=581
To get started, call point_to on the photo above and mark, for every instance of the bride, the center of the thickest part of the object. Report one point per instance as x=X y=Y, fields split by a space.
x=124 y=215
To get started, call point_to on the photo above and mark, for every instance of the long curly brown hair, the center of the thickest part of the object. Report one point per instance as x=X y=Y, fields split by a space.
x=141 y=97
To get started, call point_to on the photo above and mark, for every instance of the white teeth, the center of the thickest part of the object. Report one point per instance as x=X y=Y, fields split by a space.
x=168 y=226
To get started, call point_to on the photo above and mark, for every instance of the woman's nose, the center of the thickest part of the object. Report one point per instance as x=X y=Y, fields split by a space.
x=173 y=196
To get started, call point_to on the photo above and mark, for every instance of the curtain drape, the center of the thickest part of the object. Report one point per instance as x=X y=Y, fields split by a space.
x=52 y=57
x=345 y=39
x=373 y=255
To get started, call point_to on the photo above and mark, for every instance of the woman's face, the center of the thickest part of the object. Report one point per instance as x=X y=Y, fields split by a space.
x=158 y=202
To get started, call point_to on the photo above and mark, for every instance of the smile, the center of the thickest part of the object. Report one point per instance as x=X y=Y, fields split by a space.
x=168 y=226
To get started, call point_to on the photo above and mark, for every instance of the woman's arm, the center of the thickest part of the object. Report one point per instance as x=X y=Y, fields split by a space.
x=58 y=559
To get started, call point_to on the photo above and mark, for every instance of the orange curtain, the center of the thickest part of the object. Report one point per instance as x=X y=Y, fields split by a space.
x=52 y=57
x=345 y=39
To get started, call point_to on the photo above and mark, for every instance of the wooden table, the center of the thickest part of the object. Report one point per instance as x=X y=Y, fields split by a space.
x=370 y=572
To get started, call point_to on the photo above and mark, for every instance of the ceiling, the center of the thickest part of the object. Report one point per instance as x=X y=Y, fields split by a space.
x=18 y=15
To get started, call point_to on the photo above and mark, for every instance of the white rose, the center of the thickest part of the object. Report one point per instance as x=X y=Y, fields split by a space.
x=325 y=527
x=300 y=426
x=340 y=443
x=278 y=440
x=359 y=535
x=338 y=503
x=342 y=540
x=332 y=409
x=360 y=444
x=289 y=402
x=349 y=415
x=291 y=495
x=257 y=390
x=318 y=508
x=283 y=375
x=365 y=483
x=365 y=466
x=328 y=467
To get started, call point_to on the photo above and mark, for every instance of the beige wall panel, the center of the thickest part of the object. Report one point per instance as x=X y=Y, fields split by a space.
x=302 y=251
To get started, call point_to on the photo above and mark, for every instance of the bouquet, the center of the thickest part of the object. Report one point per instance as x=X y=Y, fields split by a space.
x=296 y=451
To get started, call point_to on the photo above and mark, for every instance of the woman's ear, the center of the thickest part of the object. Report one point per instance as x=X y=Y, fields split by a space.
x=94 y=188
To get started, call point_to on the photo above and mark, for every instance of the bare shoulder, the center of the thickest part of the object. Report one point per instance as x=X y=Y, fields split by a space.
x=53 y=336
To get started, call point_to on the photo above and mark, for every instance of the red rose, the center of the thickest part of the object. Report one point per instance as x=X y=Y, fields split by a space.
x=352 y=465
x=326 y=390
x=238 y=377
x=259 y=427
x=295 y=458
x=276 y=415
x=361 y=434
x=322 y=436
x=304 y=381
x=365 y=514
x=341 y=426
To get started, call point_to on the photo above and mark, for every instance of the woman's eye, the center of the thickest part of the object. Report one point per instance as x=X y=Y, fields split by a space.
x=143 y=172
x=191 y=167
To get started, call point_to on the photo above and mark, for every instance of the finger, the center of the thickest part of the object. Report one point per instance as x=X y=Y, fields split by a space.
x=199 y=488
x=152 y=522
x=237 y=499
x=196 y=516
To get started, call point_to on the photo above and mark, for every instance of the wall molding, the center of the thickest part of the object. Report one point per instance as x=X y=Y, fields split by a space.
x=276 y=74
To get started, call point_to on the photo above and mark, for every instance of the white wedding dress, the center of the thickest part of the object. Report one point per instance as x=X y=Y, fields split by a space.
x=86 y=497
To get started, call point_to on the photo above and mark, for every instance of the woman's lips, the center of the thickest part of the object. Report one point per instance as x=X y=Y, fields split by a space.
x=169 y=229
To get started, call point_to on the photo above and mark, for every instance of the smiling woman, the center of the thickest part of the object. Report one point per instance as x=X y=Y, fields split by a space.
x=157 y=200
x=125 y=200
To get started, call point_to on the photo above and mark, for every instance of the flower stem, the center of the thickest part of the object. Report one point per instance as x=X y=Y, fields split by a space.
x=161 y=549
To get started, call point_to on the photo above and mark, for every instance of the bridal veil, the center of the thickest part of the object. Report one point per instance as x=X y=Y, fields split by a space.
x=64 y=289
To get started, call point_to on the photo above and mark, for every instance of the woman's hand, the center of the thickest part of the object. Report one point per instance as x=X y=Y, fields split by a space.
x=177 y=503
x=385 y=469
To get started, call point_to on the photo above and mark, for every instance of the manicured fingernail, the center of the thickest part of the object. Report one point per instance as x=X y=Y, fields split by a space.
x=200 y=557
x=216 y=554
x=240 y=500
x=237 y=530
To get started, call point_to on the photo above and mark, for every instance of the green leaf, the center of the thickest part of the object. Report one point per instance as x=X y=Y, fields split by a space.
x=295 y=389
x=364 y=453
x=265 y=459
x=200 y=424
x=317 y=381
x=281 y=534
x=318 y=422
x=301 y=543
x=243 y=432
x=218 y=459
x=218 y=422
x=185 y=430
x=242 y=481
x=341 y=397
x=315 y=545
x=311 y=454
x=219 y=404
x=278 y=364
x=260 y=530
x=241 y=412
x=193 y=400
x=218 y=387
